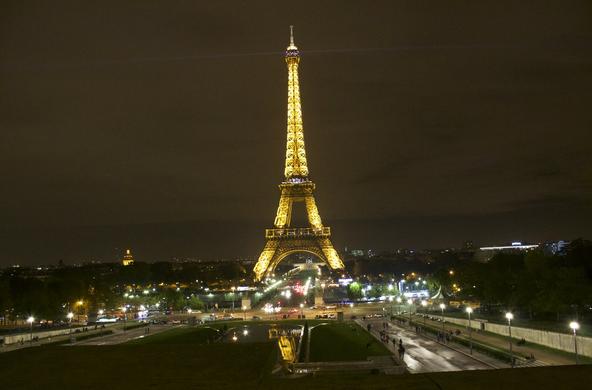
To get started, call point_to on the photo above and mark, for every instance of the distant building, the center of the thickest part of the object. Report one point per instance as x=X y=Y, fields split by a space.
x=555 y=247
x=128 y=258
x=486 y=253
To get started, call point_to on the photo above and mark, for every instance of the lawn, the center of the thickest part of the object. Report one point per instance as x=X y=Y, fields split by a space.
x=343 y=342
x=138 y=366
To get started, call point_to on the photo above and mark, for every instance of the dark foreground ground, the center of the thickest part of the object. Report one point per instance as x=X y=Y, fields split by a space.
x=183 y=359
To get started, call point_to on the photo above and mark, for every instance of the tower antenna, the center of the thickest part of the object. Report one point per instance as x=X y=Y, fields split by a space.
x=291 y=35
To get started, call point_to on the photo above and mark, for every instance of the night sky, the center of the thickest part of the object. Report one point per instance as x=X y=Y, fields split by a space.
x=161 y=125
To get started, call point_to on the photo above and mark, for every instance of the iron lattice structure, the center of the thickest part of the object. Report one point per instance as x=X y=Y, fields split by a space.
x=283 y=239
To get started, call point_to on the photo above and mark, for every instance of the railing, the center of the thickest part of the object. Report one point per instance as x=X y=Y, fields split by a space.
x=298 y=232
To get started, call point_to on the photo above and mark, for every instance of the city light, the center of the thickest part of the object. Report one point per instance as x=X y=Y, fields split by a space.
x=510 y=317
x=31 y=319
x=70 y=315
x=469 y=309
x=575 y=326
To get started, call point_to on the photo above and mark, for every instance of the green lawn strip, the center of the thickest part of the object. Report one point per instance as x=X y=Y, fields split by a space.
x=145 y=366
x=181 y=335
x=343 y=342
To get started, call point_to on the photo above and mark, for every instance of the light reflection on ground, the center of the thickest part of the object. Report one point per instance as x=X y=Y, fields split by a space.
x=255 y=333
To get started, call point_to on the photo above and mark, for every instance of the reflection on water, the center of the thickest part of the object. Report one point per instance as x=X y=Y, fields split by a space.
x=257 y=333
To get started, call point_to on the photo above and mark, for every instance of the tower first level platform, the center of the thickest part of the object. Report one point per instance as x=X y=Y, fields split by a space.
x=283 y=240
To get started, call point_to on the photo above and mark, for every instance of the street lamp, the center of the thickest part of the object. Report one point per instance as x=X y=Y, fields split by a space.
x=469 y=310
x=442 y=307
x=30 y=320
x=244 y=313
x=510 y=317
x=302 y=310
x=410 y=302
x=399 y=300
x=124 y=310
x=575 y=326
x=70 y=315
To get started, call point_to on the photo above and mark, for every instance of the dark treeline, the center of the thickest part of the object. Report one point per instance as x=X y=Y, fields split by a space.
x=533 y=284
x=49 y=294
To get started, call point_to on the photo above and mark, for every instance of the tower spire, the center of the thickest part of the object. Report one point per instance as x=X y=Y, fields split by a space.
x=296 y=166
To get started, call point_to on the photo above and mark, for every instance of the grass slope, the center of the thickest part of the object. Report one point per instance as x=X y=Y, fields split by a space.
x=150 y=366
x=343 y=342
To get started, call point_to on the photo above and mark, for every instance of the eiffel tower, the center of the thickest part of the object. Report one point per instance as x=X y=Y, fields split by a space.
x=283 y=240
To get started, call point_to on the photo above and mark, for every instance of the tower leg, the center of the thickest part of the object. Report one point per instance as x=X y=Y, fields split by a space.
x=330 y=253
x=265 y=259
x=284 y=212
x=314 y=217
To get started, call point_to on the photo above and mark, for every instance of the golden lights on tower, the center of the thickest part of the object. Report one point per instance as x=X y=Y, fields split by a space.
x=283 y=240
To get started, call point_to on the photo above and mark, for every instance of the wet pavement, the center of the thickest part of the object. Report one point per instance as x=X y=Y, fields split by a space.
x=423 y=354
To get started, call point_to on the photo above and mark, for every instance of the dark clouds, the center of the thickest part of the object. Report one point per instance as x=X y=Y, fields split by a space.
x=426 y=124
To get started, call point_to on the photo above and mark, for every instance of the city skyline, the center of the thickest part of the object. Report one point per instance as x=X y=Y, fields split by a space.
x=145 y=140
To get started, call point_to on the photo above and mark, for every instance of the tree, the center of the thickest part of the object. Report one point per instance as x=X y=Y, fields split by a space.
x=354 y=291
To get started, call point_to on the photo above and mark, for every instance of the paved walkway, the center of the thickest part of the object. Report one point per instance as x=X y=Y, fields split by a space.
x=119 y=336
x=423 y=354
x=547 y=357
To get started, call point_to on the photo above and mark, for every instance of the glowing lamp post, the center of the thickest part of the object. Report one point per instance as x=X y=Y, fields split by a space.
x=399 y=300
x=510 y=317
x=424 y=304
x=302 y=310
x=442 y=307
x=410 y=302
x=469 y=310
x=575 y=326
x=244 y=313
x=30 y=320
x=124 y=310
x=70 y=316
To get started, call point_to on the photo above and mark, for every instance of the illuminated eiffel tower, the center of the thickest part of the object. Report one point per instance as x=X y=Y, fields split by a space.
x=284 y=240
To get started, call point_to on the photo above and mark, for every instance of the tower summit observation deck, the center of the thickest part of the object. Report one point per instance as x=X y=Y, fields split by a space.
x=283 y=240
